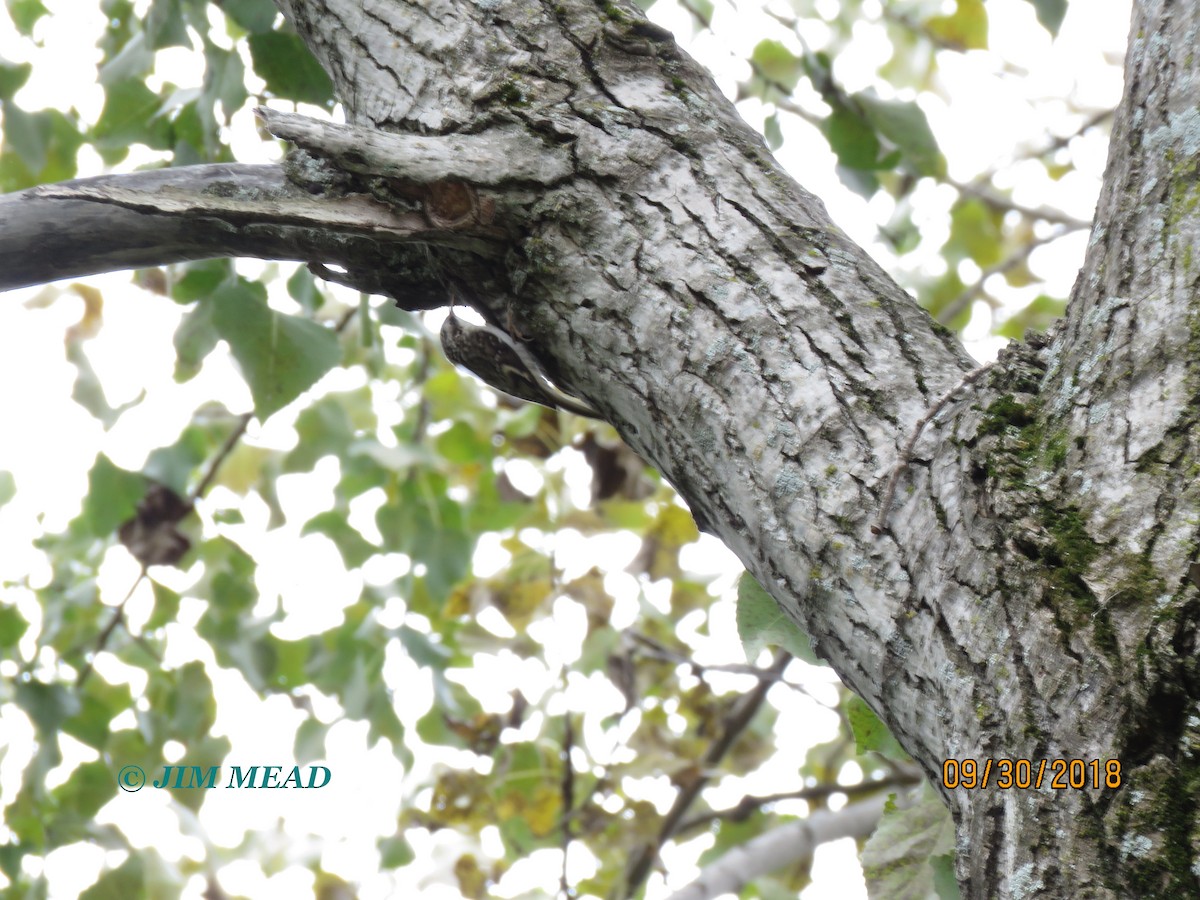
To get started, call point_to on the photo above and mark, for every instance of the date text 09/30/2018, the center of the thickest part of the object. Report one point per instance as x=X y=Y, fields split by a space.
x=1031 y=774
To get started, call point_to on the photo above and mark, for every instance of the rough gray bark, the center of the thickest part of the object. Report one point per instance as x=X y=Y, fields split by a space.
x=1022 y=605
x=91 y=225
x=1026 y=599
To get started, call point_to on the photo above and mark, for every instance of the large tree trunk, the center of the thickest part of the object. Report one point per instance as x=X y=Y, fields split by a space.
x=1026 y=599
x=1024 y=595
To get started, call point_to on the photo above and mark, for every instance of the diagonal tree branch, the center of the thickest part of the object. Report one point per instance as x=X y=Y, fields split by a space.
x=781 y=846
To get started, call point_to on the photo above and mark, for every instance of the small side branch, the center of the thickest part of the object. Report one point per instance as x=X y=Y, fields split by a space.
x=732 y=726
x=153 y=218
x=889 y=492
x=489 y=158
x=784 y=845
x=233 y=198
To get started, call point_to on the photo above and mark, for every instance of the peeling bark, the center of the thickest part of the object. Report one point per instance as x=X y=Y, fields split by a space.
x=569 y=168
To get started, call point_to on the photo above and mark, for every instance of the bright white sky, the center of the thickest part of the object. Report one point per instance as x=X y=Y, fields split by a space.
x=52 y=442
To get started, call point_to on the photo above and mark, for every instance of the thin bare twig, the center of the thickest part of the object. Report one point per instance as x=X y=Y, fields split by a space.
x=902 y=461
x=990 y=198
x=118 y=616
x=1052 y=146
x=750 y=804
x=658 y=650
x=973 y=290
x=568 y=803
x=734 y=723
x=222 y=454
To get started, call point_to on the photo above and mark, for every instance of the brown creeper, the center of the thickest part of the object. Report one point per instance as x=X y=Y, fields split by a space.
x=504 y=364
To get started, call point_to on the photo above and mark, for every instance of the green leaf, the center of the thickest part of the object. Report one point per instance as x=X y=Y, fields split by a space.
x=1039 y=314
x=424 y=522
x=325 y=429
x=772 y=132
x=289 y=661
x=366 y=326
x=432 y=729
x=130 y=748
x=47 y=705
x=255 y=16
x=381 y=714
x=200 y=279
x=945 y=881
x=25 y=14
x=121 y=883
x=289 y=69
x=777 y=64
x=87 y=789
x=941 y=294
x=280 y=356
x=462 y=444
x=852 y=138
x=100 y=703
x=819 y=68
x=395 y=852
x=55 y=139
x=12 y=78
x=128 y=118
x=488 y=512
x=449 y=393
x=185 y=698
x=310 y=741
x=195 y=338
x=355 y=549
x=174 y=466
x=165 y=26
x=897 y=858
x=12 y=627
x=1050 y=13
x=224 y=79
x=134 y=60
x=8 y=487
x=302 y=288
x=870 y=733
x=904 y=124
x=24 y=136
x=204 y=753
x=231 y=589
x=762 y=623
x=196 y=134
x=166 y=607
x=701 y=10
x=976 y=231
x=966 y=28
x=112 y=497
x=423 y=651
x=901 y=232
x=89 y=393
x=10 y=858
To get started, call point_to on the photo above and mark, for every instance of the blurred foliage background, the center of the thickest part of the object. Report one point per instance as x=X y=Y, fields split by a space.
x=573 y=682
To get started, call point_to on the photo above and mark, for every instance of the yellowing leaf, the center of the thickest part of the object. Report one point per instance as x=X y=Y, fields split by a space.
x=93 y=309
x=966 y=28
x=659 y=556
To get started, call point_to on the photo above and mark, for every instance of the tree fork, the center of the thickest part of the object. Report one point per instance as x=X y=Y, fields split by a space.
x=1028 y=599
x=683 y=284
